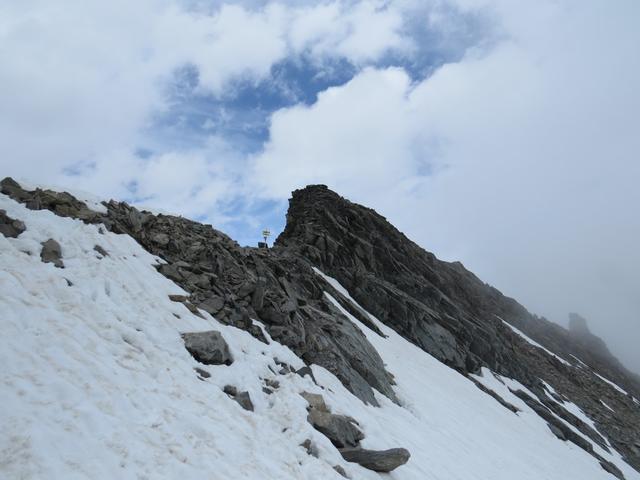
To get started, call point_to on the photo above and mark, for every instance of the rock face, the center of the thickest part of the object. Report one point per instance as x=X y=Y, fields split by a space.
x=10 y=227
x=52 y=253
x=208 y=348
x=439 y=306
x=379 y=461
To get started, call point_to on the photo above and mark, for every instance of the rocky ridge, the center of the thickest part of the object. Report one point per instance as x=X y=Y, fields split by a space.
x=439 y=306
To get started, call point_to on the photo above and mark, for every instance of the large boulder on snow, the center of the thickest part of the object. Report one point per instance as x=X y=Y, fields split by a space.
x=52 y=253
x=337 y=428
x=377 y=460
x=208 y=348
x=10 y=227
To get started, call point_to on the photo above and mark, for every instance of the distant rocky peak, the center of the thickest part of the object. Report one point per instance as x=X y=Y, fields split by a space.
x=578 y=324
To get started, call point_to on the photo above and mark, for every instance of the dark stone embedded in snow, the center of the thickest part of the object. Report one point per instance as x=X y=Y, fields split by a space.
x=230 y=390
x=52 y=253
x=101 y=250
x=209 y=347
x=337 y=428
x=178 y=298
x=270 y=382
x=310 y=447
x=244 y=400
x=10 y=227
x=377 y=460
x=340 y=471
x=202 y=373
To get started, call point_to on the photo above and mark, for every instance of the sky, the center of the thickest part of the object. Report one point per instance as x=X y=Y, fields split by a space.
x=502 y=134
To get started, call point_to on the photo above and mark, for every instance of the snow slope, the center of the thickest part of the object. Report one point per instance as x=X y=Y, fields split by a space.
x=96 y=384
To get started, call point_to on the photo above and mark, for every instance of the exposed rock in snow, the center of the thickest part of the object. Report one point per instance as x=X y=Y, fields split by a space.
x=10 y=227
x=377 y=460
x=51 y=252
x=208 y=347
x=244 y=400
x=337 y=428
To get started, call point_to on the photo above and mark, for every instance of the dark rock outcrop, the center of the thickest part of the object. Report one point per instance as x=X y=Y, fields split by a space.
x=10 y=227
x=377 y=460
x=208 y=348
x=52 y=253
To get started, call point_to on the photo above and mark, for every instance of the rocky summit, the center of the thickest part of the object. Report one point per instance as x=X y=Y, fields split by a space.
x=338 y=285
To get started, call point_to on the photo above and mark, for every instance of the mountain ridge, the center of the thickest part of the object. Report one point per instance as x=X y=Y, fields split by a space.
x=438 y=306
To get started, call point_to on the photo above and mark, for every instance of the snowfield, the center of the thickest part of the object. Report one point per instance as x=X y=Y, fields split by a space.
x=96 y=384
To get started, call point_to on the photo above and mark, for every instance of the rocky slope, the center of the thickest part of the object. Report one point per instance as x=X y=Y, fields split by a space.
x=568 y=378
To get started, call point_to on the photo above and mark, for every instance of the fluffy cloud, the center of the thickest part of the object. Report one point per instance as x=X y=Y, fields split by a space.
x=355 y=137
x=82 y=80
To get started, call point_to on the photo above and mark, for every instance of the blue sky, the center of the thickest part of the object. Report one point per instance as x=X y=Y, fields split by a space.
x=502 y=134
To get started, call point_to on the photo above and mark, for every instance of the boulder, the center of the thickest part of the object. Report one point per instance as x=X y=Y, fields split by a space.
x=377 y=460
x=315 y=401
x=208 y=347
x=10 y=227
x=337 y=428
x=230 y=390
x=244 y=400
x=52 y=253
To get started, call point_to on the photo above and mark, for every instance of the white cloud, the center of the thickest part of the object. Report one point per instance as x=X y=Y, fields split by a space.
x=81 y=80
x=350 y=138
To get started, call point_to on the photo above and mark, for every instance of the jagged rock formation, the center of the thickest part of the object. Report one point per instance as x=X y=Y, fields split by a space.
x=439 y=306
